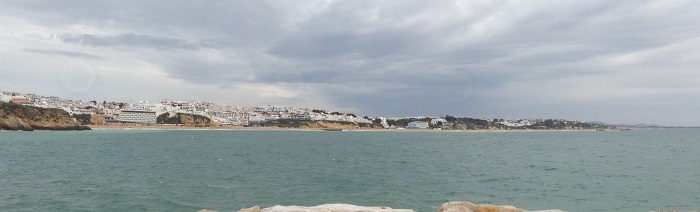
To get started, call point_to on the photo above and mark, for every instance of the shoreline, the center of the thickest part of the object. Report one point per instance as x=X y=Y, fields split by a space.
x=176 y=127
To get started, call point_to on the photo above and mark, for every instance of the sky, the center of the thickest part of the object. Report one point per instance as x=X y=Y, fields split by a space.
x=627 y=61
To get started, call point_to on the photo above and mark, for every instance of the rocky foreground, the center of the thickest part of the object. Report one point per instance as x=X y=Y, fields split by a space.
x=446 y=207
x=26 y=118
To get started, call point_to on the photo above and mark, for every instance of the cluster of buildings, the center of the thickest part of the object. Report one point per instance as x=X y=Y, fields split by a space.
x=144 y=112
x=517 y=123
x=71 y=106
x=511 y=123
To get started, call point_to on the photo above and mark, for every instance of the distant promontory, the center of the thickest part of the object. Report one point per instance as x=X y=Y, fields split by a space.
x=28 y=118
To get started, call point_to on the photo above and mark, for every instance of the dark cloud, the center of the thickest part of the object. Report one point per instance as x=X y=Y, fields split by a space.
x=194 y=68
x=478 y=58
x=335 y=44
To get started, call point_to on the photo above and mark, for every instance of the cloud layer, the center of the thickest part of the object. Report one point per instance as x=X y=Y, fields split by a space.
x=622 y=61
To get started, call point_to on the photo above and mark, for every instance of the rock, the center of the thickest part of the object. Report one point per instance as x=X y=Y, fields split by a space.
x=14 y=123
x=252 y=209
x=470 y=207
x=324 y=208
x=446 y=207
x=97 y=119
x=20 y=117
x=191 y=120
x=206 y=210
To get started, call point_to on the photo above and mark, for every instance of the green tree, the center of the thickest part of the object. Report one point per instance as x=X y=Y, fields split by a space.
x=83 y=119
x=549 y=123
x=166 y=119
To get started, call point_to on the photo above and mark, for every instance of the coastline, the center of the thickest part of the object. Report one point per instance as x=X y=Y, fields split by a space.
x=180 y=127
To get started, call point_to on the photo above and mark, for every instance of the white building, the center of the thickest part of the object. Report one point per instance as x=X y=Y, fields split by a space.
x=108 y=113
x=138 y=117
x=435 y=121
x=417 y=125
x=384 y=123
x=5 y=98
x=257 y=119
x=516 y=123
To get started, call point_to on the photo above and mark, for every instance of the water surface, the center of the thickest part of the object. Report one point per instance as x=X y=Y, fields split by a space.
x=158 y=170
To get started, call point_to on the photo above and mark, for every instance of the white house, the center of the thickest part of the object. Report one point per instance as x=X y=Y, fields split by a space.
x=4 y=97
x=435 y=121
x=384 y=123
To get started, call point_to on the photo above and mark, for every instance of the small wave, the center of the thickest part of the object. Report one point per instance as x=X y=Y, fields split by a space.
x=490 y=180
x=216 y=186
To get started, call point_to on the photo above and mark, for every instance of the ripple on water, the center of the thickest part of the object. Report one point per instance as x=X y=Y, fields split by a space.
x=127 y=171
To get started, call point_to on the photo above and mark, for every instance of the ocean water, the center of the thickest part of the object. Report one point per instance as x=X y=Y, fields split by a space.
x=160 y=170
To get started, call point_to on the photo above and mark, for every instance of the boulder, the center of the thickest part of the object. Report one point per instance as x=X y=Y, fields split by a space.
x=324 y=208
x=251 y=209
x=471 y=207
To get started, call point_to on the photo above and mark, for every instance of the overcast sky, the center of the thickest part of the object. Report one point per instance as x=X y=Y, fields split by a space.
x=613 y=61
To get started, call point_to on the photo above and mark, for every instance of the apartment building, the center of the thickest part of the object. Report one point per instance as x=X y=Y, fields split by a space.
x=137 y=117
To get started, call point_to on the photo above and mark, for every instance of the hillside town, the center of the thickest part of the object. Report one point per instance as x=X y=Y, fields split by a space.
x=147 y=113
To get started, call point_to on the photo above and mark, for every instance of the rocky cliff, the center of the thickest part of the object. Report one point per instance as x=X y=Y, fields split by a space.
x=20 y=117
x=190 y=120
x=187 y=120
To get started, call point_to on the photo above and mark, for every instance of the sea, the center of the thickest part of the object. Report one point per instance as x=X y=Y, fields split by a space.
x=226 y=170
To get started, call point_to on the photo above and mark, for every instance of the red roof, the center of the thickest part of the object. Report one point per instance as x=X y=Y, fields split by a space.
x=20 y=100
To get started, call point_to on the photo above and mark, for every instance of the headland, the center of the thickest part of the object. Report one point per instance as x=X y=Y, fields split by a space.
x=27 y=118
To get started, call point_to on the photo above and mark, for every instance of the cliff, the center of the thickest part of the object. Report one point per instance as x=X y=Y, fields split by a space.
x=86 y=119
x=20 y=117
x=187 y=120
x=190 y=120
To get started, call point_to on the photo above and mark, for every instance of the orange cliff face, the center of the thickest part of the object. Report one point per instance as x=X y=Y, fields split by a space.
x=189 y=120
x=20 y=117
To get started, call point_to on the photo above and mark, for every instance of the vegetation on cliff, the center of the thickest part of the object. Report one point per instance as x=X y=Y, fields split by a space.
x=188 y=120
x=89 y=119
x=165 y=118
x=83 y=119
x=20 y=117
